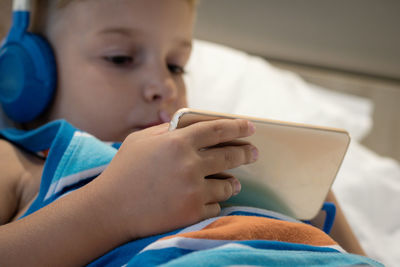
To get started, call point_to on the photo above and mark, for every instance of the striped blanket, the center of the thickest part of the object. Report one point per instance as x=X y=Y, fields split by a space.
x=239 y=236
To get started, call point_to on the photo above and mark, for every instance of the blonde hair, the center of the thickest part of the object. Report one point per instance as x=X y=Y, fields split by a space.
x=40 y=8
x=5 y=13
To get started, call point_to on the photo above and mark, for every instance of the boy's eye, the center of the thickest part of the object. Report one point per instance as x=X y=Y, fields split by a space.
x=175 y=69
x=119 y=60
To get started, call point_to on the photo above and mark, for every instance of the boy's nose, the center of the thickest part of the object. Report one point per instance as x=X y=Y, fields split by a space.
x=160 y=90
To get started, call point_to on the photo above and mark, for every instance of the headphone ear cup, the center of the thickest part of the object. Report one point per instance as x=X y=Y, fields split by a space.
x=27 y=77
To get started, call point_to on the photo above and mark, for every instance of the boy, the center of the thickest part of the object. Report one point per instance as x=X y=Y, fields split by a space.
x=120 y=66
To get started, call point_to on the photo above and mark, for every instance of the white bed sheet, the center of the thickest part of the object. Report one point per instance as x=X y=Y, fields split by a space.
x=367 y=186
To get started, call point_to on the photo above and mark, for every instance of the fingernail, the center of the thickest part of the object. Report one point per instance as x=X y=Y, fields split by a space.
x=252 y=128
x=254 y=152
x=236 y=187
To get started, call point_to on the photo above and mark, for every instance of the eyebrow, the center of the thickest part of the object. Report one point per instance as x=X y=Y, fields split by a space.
x=131 y=31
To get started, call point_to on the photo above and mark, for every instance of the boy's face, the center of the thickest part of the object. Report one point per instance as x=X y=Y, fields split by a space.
x=120 y=63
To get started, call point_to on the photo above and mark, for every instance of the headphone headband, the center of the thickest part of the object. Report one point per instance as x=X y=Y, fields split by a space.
x=21 y=5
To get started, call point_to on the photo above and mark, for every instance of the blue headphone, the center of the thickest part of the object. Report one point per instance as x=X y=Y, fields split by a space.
x=27 y=69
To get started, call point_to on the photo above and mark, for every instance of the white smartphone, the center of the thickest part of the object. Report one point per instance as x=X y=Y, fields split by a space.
x=296 y=167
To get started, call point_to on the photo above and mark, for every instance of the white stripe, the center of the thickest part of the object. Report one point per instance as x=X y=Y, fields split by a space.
x=84 y=134
x=202 y=244
x=72 y=179
x=227 y=211
x=230 y=210
x=235 y=245
x=336 y=247
x=186 y=243
x=21 y=5
x=108 y=143
x=198 y=226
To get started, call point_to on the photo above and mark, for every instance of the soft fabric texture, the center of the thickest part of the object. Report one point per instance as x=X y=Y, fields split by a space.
x=240 y=236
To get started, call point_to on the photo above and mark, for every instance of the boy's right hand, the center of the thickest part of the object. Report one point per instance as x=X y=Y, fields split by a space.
x=164 y=181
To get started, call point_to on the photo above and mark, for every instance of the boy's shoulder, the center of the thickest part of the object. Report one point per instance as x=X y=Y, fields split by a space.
x=15 y=164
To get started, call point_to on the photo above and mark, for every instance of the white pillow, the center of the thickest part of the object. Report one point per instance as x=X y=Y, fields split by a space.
x=227 y=80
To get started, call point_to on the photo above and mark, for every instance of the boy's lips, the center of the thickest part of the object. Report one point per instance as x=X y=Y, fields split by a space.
x=164 y=116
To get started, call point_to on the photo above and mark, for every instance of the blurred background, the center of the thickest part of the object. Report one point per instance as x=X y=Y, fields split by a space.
x=348 y=46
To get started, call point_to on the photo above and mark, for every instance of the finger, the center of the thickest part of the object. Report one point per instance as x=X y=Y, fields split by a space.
x=211 y=210
x=219 y=159
x=210 y=133
x=218 y=190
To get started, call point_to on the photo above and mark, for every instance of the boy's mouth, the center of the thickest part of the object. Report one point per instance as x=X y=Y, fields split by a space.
x=163 y=117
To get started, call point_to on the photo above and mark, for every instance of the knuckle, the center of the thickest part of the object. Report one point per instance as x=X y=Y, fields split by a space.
x=178 y=145
x=248 y=154
x=217 y=210
x=175 y=142
x=217 y=129
x=242 y=126
x=227 y=190
x=228 y=156
x=188 y=169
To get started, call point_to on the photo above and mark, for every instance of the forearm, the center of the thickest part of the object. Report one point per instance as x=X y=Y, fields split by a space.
x=70 y=231
x=341 y=231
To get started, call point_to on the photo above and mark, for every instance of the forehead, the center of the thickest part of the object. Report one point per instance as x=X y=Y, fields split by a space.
x=158 y=16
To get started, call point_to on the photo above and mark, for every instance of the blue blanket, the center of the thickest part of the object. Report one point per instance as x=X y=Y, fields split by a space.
x=239 y=236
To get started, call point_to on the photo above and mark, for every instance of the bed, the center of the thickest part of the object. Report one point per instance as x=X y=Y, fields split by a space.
x=310 y=46
x=367 y=185
x=223 y=79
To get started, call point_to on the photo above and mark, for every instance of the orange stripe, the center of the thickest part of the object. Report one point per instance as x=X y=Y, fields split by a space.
x=259 y=228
